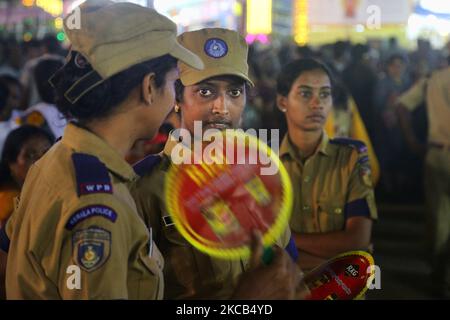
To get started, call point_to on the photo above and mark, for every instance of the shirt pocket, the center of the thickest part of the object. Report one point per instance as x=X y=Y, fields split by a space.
x=181 y=270
x=151 y=283
x=188 y=272
x=331 y=216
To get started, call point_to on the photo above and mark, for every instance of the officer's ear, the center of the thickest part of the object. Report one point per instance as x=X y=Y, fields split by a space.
x=281 y=102
x=148 y=88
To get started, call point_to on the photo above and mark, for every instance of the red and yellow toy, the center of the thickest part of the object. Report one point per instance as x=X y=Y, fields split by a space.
x=217 y=202
x=345 y=277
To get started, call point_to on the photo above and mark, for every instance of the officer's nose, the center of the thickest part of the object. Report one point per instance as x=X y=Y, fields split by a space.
x=315 y=102
x=221 y=105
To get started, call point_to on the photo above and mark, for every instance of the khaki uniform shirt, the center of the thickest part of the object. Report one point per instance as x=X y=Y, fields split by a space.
x=436 y=92
x=76 y=233
x=330 y=186
x=188 y=273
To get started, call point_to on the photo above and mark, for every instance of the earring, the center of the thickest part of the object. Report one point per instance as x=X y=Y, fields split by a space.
x=283 y=110
x=177 y=108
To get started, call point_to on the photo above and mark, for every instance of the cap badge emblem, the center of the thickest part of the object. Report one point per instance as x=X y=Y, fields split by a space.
x=216 y=48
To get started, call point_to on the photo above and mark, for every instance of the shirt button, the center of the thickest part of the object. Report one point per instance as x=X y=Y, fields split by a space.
x=338 y=210
x=307 y=179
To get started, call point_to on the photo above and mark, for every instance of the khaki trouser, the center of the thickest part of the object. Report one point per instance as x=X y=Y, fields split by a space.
x=437 y=192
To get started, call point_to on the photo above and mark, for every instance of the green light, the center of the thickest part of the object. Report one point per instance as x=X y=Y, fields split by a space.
x=61 y=36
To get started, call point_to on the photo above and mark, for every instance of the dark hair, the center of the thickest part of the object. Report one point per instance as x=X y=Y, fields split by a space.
x=179 y=90
x=4 y=94
x=8 y=45
x=101 y=101
x=290 y=72
x=179 y=87
x=340 y=48
x=5 y=82
x=13 y=144
x=340 y=96
x=392 y=41
x=10 y=80
x=42 y=72
x=305 y=52
x=358 y=52
x=51 y=44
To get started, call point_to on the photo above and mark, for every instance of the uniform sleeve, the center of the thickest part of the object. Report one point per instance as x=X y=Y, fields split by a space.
x=95 y=250
x=415 y=96
x=360 y=200
x=287 y=242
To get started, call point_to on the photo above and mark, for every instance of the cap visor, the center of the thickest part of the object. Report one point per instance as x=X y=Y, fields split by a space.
x=186 y=56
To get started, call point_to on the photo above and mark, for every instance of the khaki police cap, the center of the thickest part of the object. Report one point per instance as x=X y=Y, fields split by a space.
x=115 y=36
x=223 y=52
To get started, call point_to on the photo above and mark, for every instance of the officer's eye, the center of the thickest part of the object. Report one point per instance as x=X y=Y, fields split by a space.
x=205 y=92
x=32 y=156
x=306 y=94
x=325 y=95
x=235 y=93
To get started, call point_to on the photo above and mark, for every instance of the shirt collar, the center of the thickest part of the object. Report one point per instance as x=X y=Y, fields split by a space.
x=324 y=145
x=84 y=141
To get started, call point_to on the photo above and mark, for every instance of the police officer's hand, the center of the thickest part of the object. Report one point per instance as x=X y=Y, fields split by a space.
x=302 y=291
x=278 y=280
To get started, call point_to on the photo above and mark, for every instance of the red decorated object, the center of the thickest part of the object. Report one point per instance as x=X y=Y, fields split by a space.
x=345 y=277
x=216 y=204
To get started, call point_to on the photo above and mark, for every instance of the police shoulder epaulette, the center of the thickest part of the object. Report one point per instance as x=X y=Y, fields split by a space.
x=147 y=164
x=91 y=174
x=357 y=144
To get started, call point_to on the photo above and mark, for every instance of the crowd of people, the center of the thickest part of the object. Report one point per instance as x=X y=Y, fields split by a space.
x=340 y=107
x=368 y=81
